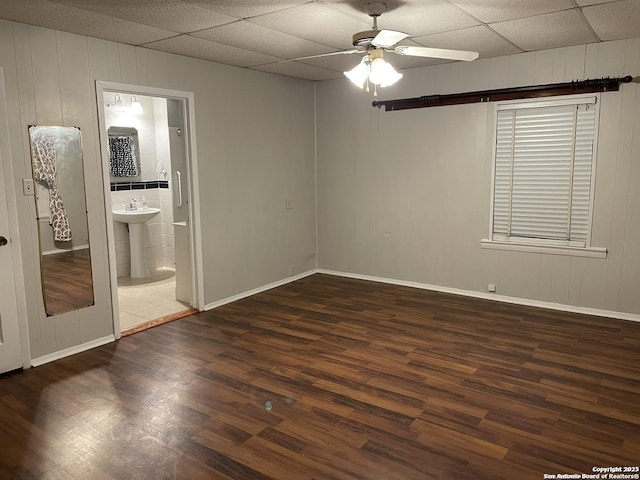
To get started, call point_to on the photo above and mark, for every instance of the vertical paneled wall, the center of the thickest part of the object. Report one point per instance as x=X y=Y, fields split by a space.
x=48 y=82
x=255 y=136
x=406 y=195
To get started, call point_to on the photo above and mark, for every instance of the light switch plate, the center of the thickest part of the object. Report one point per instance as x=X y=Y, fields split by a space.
x=27 y=186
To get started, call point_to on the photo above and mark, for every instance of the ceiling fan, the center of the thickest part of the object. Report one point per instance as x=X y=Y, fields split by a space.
x=373 y=43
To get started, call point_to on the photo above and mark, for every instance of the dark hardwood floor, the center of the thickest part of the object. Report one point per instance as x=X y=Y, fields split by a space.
x=364 y=380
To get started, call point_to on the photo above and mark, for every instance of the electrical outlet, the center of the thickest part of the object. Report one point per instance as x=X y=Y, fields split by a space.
x=289 y=204
x=27 y=186
x=291 y=267
x=491 y=287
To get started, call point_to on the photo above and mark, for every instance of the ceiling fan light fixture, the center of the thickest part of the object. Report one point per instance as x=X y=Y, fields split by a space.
x=358 y=74
x=382 y=73
x=374 y=42
x=373 y=68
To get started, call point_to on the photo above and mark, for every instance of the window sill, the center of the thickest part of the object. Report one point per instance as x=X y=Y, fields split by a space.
x=590 y=252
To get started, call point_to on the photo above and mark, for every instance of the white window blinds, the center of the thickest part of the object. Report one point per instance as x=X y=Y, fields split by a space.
x=543 y=170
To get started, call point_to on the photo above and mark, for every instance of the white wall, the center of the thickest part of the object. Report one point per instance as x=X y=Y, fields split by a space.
x=255 y=148
x=160 y=250
x=405 y=195
x=163 y=152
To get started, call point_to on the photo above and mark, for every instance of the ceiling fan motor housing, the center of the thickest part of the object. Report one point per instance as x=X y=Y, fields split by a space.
x=374 y=10
x=364 y=39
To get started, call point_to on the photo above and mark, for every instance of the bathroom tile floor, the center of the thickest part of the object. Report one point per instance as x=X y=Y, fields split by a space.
x=142 y=300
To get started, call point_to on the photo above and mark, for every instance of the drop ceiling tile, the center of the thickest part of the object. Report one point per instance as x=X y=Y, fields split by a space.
x=614 y=21
x=246 y=8
x=552 y=30
x=476 y=39
x=282 y=29
x=356 y=8
x=216 y=52
x=173 y=15
x=70 y=19
x=423 y=17
x=298 y=70
x=337 y=63
x=403 y=62
x=499 y=10
x=247 y=35
x=316 y=22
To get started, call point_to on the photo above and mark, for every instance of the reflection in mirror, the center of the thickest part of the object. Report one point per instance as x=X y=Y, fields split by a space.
x=56 y=161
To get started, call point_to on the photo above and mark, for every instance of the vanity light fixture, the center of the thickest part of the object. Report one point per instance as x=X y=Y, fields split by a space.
x=136 y=107
x=118 y=104
x=373 y=68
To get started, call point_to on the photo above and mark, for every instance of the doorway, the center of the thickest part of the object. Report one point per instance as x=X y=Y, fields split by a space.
x=149 y=163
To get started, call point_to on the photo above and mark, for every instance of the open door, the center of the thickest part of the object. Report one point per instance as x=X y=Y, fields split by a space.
x=10 y=346
x=181 y=195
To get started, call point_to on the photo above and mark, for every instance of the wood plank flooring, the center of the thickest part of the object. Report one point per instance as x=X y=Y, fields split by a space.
x=365 y=381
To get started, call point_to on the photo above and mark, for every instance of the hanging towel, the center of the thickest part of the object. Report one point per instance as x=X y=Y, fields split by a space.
x=45 y=172
x=122 y=157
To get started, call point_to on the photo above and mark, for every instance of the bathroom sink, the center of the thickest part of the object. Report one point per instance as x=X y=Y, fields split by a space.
x=141 y=215
x=136 y=220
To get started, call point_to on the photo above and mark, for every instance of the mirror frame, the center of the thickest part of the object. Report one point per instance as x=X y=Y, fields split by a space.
x=72 y=268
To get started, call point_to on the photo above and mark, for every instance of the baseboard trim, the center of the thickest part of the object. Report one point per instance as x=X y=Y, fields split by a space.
x=264 y=288
x=490 y=296
x=98 y=342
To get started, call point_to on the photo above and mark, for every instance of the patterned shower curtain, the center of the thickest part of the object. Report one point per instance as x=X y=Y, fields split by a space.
x=45 y=172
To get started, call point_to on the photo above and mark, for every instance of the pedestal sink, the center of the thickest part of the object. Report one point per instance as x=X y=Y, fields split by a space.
x=137 y=219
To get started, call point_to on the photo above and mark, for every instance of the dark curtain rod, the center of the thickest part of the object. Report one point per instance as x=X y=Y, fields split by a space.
x=569 y=88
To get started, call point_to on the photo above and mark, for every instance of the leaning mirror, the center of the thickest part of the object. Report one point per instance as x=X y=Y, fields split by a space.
x=65 y=260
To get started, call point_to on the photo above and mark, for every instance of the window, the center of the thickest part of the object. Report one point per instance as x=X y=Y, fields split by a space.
x=544 y=169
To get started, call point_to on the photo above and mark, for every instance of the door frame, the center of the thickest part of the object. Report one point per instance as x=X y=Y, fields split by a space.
x=188 y=98
x=14 y=239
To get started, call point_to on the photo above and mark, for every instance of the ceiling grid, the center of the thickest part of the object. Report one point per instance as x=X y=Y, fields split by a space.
x=260 y=34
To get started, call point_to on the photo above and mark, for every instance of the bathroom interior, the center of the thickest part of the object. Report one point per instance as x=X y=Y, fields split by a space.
x=149 y=201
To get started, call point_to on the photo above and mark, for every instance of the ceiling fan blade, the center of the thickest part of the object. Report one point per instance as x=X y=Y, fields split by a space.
x=436 y=53
x=388 y=38
x=342 y=52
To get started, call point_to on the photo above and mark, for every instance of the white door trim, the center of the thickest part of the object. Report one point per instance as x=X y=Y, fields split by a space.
x=192 y=162
x=12 y=210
